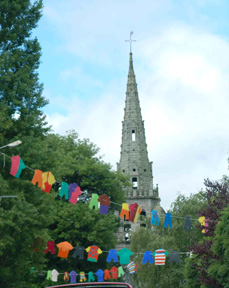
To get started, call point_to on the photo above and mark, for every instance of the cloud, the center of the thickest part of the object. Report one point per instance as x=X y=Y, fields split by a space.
x=182 y=76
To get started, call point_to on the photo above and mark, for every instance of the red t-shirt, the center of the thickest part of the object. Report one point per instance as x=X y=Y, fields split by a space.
x=114 y=272
x=133 y=209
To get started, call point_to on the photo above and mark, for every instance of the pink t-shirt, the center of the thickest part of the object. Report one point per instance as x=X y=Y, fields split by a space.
x=15 y=160
x=74 y=195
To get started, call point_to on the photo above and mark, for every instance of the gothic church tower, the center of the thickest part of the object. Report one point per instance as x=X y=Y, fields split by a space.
x=134 y=156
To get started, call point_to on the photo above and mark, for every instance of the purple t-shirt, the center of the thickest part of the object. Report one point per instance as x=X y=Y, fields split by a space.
x=73 y=275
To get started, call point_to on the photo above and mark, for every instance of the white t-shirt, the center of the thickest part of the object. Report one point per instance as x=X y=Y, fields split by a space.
x=54 y=275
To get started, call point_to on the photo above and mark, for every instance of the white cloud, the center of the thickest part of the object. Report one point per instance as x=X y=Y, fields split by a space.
x=182 y=76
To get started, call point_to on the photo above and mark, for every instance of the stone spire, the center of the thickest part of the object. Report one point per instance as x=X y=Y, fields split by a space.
x=134 y=159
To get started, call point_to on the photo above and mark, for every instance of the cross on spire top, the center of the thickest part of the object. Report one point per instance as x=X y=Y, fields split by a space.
x=130 y=40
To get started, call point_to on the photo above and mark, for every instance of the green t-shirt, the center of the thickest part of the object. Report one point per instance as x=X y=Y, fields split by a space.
x=124 y=255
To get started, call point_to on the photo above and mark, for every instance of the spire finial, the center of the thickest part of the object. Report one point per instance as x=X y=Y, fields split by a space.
x=131 y=40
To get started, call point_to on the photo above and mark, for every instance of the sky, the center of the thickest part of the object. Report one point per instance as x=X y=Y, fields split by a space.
x=181 y=63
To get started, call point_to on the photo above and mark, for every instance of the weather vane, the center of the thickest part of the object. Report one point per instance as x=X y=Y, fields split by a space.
x=131 y=40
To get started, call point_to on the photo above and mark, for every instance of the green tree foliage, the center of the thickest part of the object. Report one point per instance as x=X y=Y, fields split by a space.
x=34 y=217
x=176 y=238
x=220 y=269
x=200 y=269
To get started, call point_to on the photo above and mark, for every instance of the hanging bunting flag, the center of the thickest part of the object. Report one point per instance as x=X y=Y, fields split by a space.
x=79 y=251
x=104 y=204
x=132 y=267
x=49 y=275
x=91 y=277
x=168 y=220
x=155 y=218
x=124 y=255
x=37 y=178
x=114 y=272
x=55 y=275
x=94 y=201
x=174 y=257
x=47 y=181
x=73 y=276
x=188 y=224
x=93 y=253
x=74 y=193
x=82 y=277
x=135 y=210
x=120 y=271
x=64 y=248
x=125 y=211
x=50 y=247
x=112 y=256
x=148 y=256
x=17 y=165
x=64 y=190
x=107 y=274
x=99 y=274
x=160 y=256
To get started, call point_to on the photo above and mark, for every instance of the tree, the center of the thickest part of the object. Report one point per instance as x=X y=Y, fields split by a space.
x=200 y=269
x=220 y=269
x=176 y=238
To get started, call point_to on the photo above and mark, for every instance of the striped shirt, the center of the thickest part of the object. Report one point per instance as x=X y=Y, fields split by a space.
x=160 y=256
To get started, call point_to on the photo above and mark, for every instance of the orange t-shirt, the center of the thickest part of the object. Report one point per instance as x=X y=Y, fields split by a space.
x=64 y=248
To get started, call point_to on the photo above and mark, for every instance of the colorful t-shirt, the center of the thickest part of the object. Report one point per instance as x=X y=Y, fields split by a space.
x=160 y=256
x=47 y=181
x=74 y=193
x=93 y=253
x=132 y=267
x=114 y=272
x=17 y=165
x=64 y=248
x=124 y=255
x=64 y=190
x=135 y=210
x=37 y=178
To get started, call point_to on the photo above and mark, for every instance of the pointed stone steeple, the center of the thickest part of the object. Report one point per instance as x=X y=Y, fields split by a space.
x=134 y=159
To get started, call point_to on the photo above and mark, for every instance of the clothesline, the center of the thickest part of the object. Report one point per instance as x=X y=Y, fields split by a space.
x=118 y=204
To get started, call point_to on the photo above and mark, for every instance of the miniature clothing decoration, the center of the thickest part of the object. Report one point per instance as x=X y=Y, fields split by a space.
x=17 y=165
x=47 y=181
x=55 y=275
x=107 y=274
x=114 y=272
x=125 y=211
x=64 y=248
x=168 y=220
x=187 y=224
x=50 y=247
x=155 y=218
x=206 y=224
x=93 y=253
x=112 y=256
x=49 y=275
x=174 y=257
x=64 y=190
x=148 y=256
x=91 y=277
x=104 y=204
x=160 y=256
x=73 y=276
x=37 y=178
x=132 y=267
x=79 y=251
x=94 y=201
x=120 y=271
x=82 y=277
x=124 y=255
x=99 y=274
x=74 y=193
x=66 y=276
x=135 y=210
